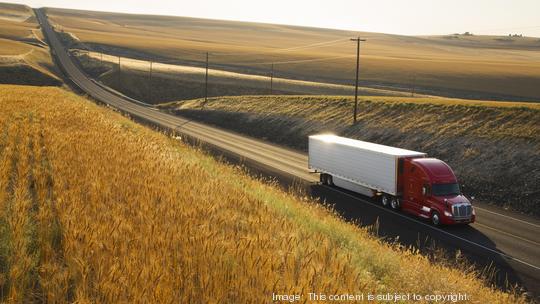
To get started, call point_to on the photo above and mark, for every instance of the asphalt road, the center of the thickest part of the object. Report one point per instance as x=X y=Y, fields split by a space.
x=507 y=240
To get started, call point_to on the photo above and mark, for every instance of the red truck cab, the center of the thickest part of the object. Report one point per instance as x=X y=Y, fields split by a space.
x=431 y=190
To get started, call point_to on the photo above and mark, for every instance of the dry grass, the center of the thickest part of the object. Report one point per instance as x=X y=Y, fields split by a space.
x=521 y=118
x=180 y=82
x=24 y=57
x=15 y=22
x=95 y=208
x=483 y=65
x=15 y=12
x=10 y=47
x=493 y=147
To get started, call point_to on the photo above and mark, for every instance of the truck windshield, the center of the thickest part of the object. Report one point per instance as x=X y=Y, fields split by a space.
x=445 y=189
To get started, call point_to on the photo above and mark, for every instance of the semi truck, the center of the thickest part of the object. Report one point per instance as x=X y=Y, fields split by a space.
x=397 y=178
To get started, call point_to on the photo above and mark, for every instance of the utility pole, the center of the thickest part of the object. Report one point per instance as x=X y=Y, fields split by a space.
x=150 y=82
x=206 y=81
x=413 y=85
x=358 y=40
x=272 y=80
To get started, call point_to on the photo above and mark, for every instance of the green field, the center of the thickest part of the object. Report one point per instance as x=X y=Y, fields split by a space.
x=493 y=147
x=485 y=67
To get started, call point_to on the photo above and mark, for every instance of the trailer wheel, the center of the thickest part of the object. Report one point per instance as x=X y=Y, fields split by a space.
x=385 y=200
x=329 y=180
x=435 y=218
x=322 y=178
x=394 y=203
x=326 y=179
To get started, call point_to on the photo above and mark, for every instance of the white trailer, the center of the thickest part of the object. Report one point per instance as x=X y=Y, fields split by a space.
x=356 y=165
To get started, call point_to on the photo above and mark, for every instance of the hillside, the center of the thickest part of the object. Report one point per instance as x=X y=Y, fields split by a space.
x=493 y=147
x=483 y=67
x=170 y=82
x=95 y=208
x=24 y=56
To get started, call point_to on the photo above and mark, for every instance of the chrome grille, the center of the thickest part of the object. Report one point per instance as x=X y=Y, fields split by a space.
x=462 y=210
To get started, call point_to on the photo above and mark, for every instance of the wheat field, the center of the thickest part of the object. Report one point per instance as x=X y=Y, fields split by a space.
x=480 y=66
x=97 y=209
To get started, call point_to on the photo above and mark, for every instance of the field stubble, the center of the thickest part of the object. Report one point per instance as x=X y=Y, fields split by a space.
x=480 y=67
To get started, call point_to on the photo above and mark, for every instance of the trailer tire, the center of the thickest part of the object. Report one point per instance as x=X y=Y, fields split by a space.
x=326 y=179
x=435 y=218
x=394 y=203
x=385 y=200
x=322 y=178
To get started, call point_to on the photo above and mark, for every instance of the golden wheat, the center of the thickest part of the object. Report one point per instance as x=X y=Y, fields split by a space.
x=99 y=209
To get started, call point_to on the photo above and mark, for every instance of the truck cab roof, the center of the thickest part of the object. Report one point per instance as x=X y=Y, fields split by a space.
x=437 y=170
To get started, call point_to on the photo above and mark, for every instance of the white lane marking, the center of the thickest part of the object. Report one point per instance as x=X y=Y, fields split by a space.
x=439 y=230
x=512 y=218
x=509 y=234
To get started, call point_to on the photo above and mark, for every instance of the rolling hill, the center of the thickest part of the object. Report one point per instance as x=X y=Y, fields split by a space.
x=24 y=57
x=483 y=67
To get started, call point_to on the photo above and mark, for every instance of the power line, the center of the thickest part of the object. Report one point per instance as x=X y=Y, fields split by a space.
x=313 y=45
x=296 y=61
x=301 y=47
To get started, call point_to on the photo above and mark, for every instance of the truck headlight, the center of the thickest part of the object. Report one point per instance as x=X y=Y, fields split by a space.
x=448 y=214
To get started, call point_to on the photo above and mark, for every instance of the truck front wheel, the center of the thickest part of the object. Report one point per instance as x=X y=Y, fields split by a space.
x=394 y=203
x=435 y=218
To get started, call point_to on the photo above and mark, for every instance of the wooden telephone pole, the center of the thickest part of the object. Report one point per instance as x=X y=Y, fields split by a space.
x=272 y=80
x=150 y=82
x=206 y=81
x=358 y=40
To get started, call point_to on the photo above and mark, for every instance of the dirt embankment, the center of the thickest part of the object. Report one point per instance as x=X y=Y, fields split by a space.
x=494 y=150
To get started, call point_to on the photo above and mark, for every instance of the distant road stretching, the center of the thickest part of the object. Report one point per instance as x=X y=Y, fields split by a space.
x=510 y=240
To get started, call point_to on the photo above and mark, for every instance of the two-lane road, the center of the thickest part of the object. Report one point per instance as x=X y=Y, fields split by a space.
x=510 y=241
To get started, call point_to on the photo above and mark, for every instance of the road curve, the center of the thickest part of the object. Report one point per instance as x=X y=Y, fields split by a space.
x=508 y=240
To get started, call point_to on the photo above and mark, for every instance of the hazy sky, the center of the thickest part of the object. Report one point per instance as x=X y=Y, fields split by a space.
x=411 y=17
